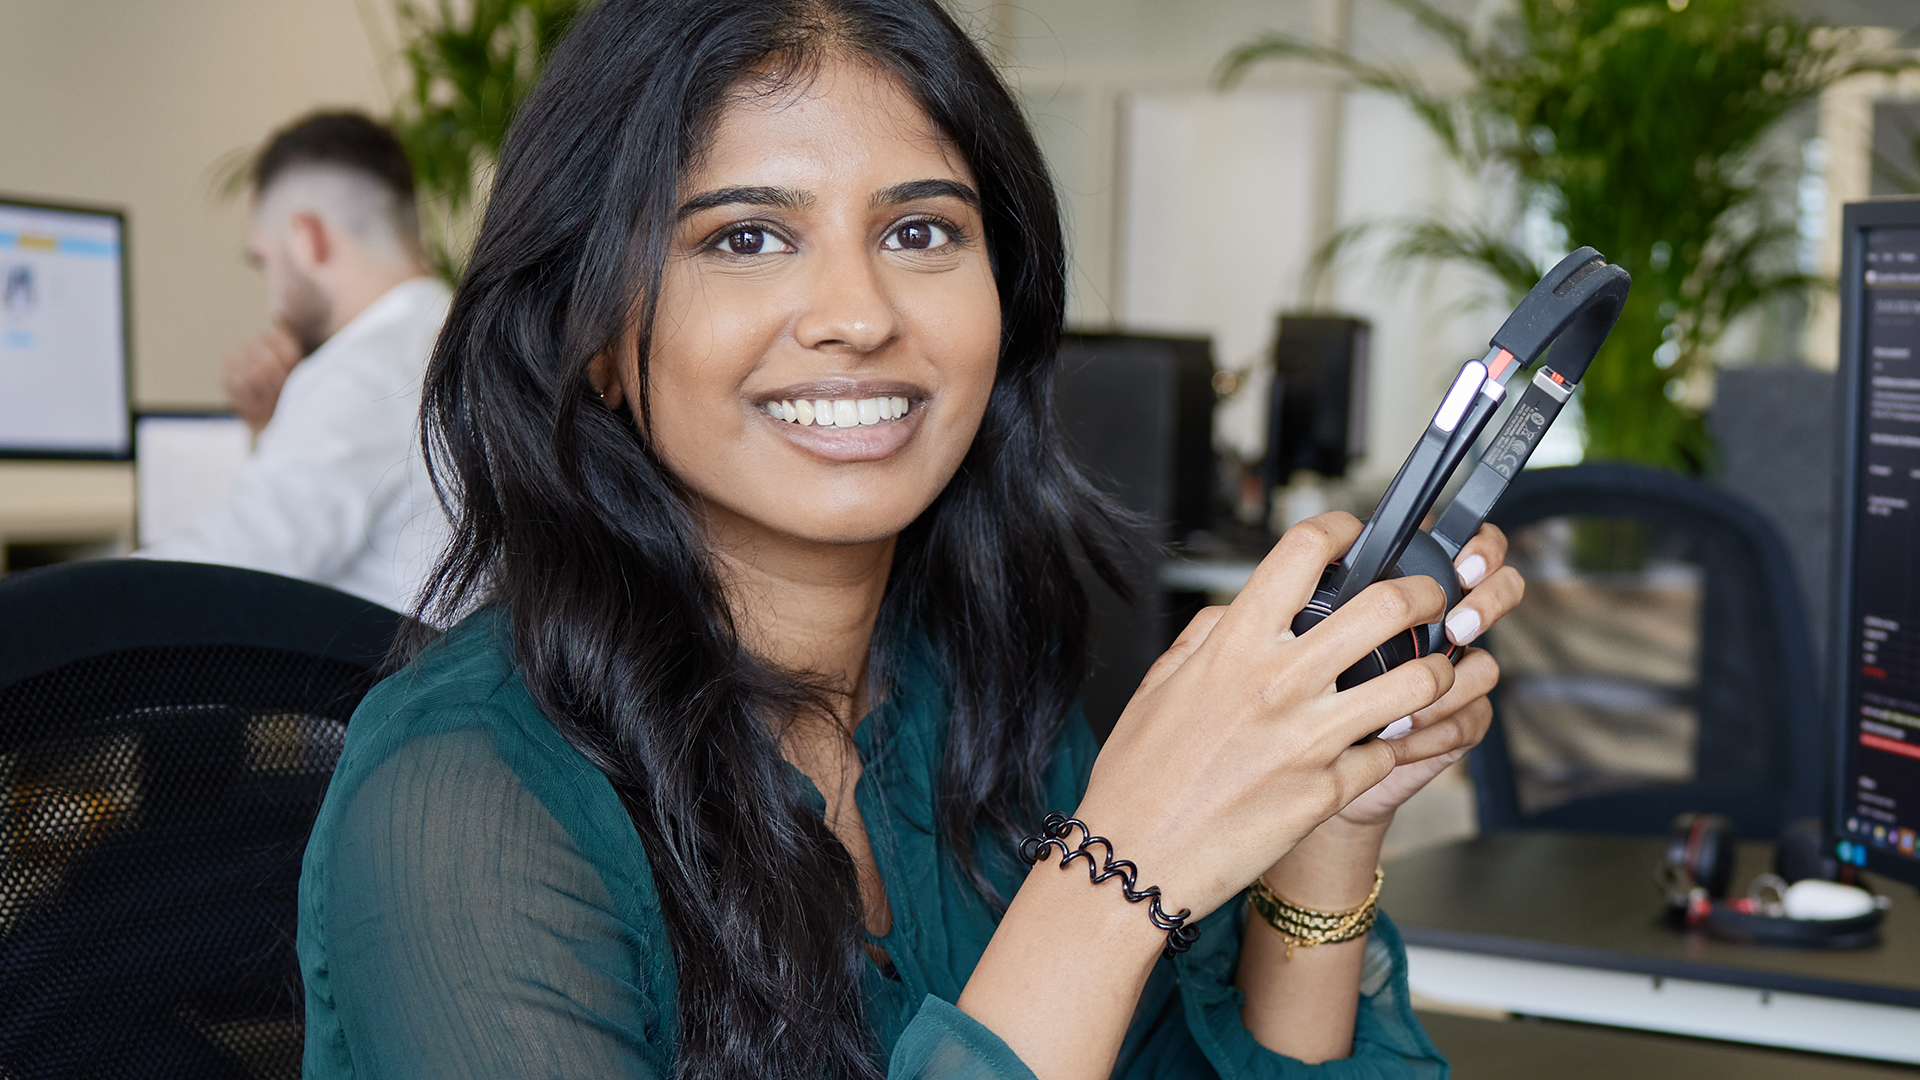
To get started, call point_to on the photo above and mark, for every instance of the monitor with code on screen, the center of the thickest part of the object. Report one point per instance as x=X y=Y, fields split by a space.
x=63 y=332
x=1876 y=650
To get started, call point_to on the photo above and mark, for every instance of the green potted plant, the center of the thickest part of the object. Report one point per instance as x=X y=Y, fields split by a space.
x=1633 y=126
x=471 y=65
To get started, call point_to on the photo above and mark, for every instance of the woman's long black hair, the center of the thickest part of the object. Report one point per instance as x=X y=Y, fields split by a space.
x=565 y=518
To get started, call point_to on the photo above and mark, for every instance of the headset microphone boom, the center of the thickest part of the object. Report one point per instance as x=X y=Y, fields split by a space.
x=1571 y=310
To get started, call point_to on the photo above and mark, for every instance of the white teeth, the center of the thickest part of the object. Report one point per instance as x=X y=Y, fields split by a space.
x=839 y=412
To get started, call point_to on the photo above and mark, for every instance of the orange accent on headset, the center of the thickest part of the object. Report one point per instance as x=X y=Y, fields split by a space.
x=1558 y=379
x=1499 y=364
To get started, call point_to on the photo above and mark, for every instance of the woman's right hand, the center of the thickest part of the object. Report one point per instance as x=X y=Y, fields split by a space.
x=1237 y=744
x=1235 y=747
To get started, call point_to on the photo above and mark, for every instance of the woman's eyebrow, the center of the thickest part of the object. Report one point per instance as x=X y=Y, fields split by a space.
x=778 y=197
x=926 y=189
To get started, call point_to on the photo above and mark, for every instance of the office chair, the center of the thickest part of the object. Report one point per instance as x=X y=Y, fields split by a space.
x=167 y=731
x=1756 y=751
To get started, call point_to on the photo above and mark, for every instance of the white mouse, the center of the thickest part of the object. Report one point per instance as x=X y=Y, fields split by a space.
x=1825 y=900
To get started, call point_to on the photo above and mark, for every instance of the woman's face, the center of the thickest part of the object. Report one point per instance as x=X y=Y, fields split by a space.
x=828 y=324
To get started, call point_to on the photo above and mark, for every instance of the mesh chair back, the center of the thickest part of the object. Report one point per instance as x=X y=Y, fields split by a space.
x=167 y=731
x=1755 y=751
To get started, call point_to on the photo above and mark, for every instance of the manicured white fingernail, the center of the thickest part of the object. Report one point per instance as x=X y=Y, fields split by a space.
x=1463 y=625
x=1398 y=728
x=1472 y=569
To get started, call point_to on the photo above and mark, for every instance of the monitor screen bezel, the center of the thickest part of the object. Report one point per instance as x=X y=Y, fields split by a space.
x=1843 y=643
x=28 y=453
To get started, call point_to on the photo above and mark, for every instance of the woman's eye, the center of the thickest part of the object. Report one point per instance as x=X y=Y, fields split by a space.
x=752 y=240
x=918 y=236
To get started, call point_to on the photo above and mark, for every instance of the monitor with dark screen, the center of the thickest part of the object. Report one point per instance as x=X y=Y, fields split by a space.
x=63 y=332
x=1876 y=653
x=1317 y=415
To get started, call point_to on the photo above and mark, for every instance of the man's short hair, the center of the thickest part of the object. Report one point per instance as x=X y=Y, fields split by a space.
x=341 y=140
x=346 y=165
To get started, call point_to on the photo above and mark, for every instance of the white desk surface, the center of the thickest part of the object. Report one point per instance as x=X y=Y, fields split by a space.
x=66 y=501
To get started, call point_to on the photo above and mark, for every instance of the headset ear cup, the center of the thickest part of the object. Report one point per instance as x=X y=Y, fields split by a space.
x=1425 y=556
x=1803 y=853
x=1701 y=849
x=1717 y=849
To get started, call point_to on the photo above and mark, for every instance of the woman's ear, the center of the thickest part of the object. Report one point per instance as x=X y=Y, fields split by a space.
x=605 y=378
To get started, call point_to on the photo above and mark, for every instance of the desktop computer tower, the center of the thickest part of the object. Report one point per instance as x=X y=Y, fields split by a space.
x=1138 y=415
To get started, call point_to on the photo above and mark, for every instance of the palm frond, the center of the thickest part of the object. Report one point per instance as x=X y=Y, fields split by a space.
x=1435 y=240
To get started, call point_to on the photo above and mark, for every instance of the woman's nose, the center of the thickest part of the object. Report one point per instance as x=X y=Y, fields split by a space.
x=847 y=304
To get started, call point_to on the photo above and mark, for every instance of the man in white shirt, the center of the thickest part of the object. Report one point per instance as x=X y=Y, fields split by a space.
x=335 y=490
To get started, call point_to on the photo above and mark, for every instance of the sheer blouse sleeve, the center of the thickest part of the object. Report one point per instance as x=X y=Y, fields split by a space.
x=467 y=932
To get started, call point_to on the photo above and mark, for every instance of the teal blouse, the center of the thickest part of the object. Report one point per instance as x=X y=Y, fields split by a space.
x=475 y=903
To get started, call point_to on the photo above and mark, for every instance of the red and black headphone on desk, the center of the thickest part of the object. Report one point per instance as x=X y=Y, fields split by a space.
x=1572 y=310
x=1805 y=909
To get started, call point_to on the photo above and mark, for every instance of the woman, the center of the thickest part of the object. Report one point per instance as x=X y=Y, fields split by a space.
x=771 y=635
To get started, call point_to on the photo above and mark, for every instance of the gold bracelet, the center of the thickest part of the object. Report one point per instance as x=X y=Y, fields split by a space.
x=1306 y=927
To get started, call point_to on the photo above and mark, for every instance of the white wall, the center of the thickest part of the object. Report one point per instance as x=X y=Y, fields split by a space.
x=133 y=103
x=1196 y=210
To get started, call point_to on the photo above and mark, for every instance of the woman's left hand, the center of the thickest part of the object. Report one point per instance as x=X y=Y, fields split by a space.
x=1444 y=731
x=1303 y=1005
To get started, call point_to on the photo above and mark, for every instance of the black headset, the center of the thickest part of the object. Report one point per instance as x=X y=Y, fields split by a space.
x=1571 y=310
x=1698 y=869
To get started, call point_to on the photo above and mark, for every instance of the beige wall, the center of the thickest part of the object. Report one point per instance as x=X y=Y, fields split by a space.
x=134 y=103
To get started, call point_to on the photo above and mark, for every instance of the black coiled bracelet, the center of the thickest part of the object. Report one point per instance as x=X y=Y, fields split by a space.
x=1053 y=833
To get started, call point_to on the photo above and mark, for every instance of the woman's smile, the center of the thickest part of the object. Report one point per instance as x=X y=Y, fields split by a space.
x=847 y=421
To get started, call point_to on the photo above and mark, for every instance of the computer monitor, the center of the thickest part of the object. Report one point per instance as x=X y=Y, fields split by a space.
x=1876 y=648
x=1318 y=410
x=187 y=465
x=63 y=332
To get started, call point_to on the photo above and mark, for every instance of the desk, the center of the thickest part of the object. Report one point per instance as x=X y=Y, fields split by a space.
x=1570 y=927
x=1529 y=1049
x=66 y=502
